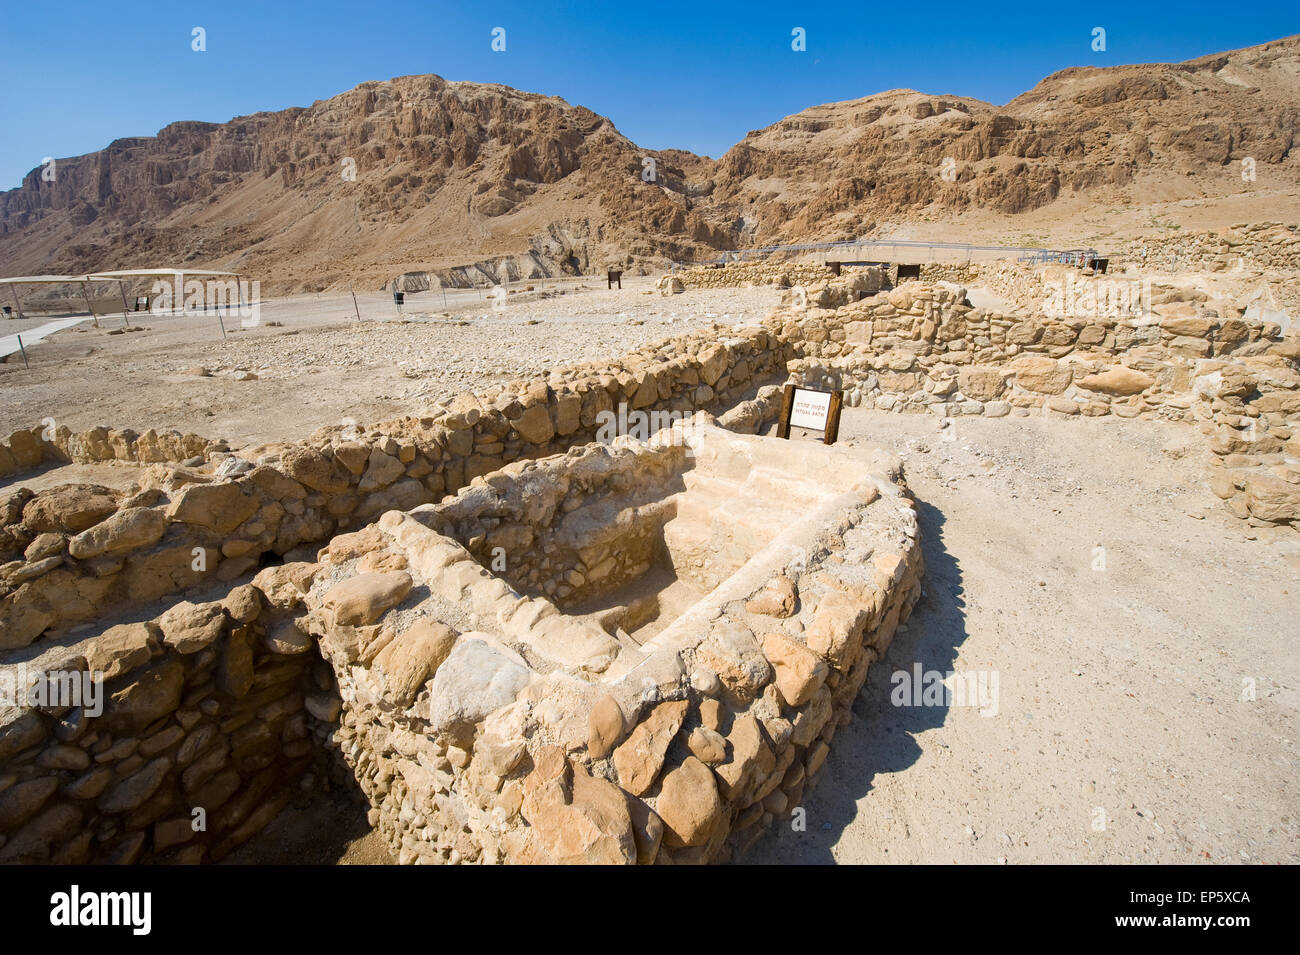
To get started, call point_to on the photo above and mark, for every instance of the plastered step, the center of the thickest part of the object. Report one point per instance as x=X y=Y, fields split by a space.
x=769 y=485
x=739 y=517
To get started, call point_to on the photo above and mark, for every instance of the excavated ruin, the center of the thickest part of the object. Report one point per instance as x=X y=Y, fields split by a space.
x=522 y=639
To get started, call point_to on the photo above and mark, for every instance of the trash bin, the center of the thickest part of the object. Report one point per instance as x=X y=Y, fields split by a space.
x=399 y=298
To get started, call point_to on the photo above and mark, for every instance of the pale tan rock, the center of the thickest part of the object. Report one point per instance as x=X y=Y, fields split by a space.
x=534 y=425
x=689 y=804
x=69 y=508
x=708 y=746
x=799 y=671
x=982 y=383
x=1041 y=374
x=284 y=585
x=218 y=507
x=1119 y=381
x=732 y=652
x=835 y=633
x=639 y=759
x=751 y=758
x=188 y=628
x=243 y=603
x=576 y=819
x=122 y=648
x=413 y=657
x=605 y=727
x=777 y=599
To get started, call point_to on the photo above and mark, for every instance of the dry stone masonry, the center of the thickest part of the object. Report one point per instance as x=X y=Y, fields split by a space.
x=487 y=722
x=573 y=619
x=925 y=349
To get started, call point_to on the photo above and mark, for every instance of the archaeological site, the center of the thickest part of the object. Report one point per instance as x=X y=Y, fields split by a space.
x=431 y=475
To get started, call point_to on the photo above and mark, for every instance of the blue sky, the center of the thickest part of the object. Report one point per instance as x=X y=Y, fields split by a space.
x=692 y=75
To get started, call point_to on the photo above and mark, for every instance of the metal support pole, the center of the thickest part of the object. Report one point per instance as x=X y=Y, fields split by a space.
x=222 y=324
x=354 y=301
x=17 y=302
x=89 y=304
x=24 y=351
x=121 y=288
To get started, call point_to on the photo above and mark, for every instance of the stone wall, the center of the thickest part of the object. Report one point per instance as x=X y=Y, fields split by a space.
x=31 y=448
x=199 y=708
x=75 y=552
x=1261 y=245
x=743 y=274
x=922 y=348
x=485 y=725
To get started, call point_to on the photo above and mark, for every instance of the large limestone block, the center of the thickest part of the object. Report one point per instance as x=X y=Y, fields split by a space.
x=69 y=508
x=982 y=383
x=577 y=819
x=799 y=671
x=475 y=680
x=414 y=656
x=713 y=362
x=149 y=693
x=315 y=469
x=1270 y=498
x=219 y=507
x=1041 y=374
x=188 y=627
x=127 y=530
x=535 y=425
x=732 y=652
x=121 y=649
x=1119 y=381
x=836 y=629
x=361 y=600
x=689 y=804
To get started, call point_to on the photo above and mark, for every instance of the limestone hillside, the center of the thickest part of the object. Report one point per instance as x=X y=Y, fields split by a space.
x=471 y=180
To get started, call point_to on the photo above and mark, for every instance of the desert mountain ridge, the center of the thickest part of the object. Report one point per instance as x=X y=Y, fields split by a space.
x=481 y=182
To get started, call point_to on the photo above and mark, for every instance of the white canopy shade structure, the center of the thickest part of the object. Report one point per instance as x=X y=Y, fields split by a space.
x=145 y=273
x=176 y=275
x=81 y=280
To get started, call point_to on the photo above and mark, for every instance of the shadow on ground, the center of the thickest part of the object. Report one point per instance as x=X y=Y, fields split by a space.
x=318 y=828
x=882 y=737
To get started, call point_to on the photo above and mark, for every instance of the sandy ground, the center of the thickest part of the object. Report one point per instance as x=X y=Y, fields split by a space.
x=321 y=366
x=1120 y=734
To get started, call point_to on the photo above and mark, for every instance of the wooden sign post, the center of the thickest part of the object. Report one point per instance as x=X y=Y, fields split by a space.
x=811 y=409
